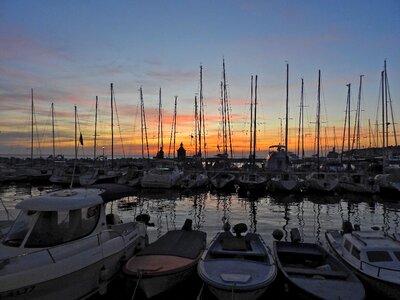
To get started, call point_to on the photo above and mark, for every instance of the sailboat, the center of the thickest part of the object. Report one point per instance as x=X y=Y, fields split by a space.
x=195 y=175
x=325 y=182
x=101 y=173
x=163 y=174
x=251 y=180
x=222 y=178
x=278 y=162
x=388 y=182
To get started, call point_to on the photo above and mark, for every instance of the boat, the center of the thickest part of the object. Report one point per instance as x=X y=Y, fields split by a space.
x=285 y=182
x=236 y=266
x=251 y=180
x=322 y=182
x=388 y=184
x=165 y=174
x=357 y=183
x=312 y=272
x=168 y=261
x=62 y=245
x=194 y=180
x=223 y=180
x=371 y=254
x=99 y=175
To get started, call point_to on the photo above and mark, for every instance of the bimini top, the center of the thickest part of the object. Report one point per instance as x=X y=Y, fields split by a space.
x=68 y=199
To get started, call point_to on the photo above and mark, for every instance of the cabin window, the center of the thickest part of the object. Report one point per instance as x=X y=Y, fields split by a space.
x=378 y=256
x=57 y=227
x=347 y=245
x=19 y=229
x=355 y=252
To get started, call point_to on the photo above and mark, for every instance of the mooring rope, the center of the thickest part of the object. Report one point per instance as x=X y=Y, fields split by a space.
x=137 y=284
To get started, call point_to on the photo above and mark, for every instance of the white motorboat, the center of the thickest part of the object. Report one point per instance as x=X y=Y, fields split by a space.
x=194 y=180
x=252 y=182
x=62 y=245
x=372 y=255
x=237 y=267
x=357 y=183
x=165 y=175
x=223 y=180
x=99 y=175
x=324 y=182
x=285 y=182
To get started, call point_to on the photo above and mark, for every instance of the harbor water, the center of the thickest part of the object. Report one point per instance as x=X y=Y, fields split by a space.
x=311 y=214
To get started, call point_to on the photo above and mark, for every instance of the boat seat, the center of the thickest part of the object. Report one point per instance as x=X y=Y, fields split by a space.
x=320 y=272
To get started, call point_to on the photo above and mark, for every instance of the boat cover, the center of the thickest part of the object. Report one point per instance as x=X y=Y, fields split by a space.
x=182 y=243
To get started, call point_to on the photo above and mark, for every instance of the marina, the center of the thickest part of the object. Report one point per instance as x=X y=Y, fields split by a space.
x=312 y=214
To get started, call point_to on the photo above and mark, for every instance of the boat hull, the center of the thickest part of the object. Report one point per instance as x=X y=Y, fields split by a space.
x=152 y=285
x=79 y=284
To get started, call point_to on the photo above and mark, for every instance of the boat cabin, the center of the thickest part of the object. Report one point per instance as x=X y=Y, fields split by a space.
x=56 y=218
x=372 y=249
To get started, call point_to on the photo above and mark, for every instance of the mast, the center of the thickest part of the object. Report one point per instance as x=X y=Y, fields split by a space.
x=227 y=120
x=255 y=122
x=173 y=130
x=112 y=126
x=95 y=131
x=251 y=118
x=196 y=125
x=356 y=133
x=32 y=108
x=348 y=121
x=52 y=130
x=143 y=125
x=160 y=141
x=386 y=105
x=346 y=125
x=287 y=108
x=202 y=120
x=318 y=116
x=302 y=118
x=76 y=140
x=383 y=109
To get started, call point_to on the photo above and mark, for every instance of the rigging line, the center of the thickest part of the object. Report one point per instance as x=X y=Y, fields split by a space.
x=391 y=110
x=119 y=127
x=37 y=131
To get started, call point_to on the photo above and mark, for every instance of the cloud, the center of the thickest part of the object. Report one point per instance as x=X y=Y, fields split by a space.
x=21 y=46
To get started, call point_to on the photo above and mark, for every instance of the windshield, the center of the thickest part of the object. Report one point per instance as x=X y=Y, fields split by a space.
x=52 y=228
x=20 y=228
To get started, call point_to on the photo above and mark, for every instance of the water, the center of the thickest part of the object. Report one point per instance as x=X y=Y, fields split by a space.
x=312 y=214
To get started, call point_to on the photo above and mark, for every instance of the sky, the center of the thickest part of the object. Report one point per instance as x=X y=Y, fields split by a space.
x=69 y=52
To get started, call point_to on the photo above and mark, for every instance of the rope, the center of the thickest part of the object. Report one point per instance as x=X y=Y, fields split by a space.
x=200 y=293
x=137 y=284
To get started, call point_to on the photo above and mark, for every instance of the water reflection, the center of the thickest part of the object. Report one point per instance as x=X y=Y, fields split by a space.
x=168 y=209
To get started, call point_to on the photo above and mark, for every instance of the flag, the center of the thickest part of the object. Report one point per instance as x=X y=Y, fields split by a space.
x=81 y=139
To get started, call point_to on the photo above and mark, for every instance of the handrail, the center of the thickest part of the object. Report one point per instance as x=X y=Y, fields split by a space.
x=378 y=268
x=7 y=260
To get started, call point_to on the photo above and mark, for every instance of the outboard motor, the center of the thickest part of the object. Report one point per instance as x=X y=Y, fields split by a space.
x=188 y=225
x=240 y=228
x=347 y=227
x=144 y=218
x=226 y=227
x=295 y=236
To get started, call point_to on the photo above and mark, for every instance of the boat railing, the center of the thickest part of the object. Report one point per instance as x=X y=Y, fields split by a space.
x=380 y=271
x=57 y=253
